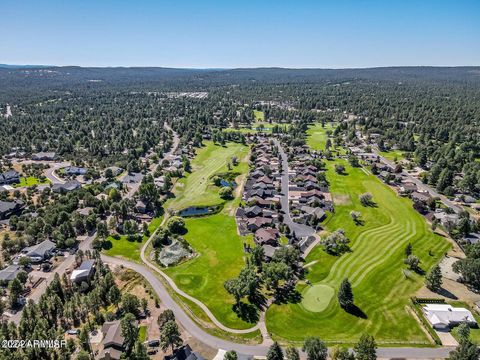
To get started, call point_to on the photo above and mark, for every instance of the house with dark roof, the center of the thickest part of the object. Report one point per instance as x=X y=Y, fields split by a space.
x=113 y=340
x=9 y=208
x=9 y=273
x=39 y=252
x=184 y=353
x=266 y=236
x=73 y=170
x=420 y=196
x=253 y=211
x=9 y=177
x=256 y=223
x=66 y=187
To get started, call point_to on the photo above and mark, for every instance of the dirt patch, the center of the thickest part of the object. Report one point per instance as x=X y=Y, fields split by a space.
x=451 y=290
x=341 y=199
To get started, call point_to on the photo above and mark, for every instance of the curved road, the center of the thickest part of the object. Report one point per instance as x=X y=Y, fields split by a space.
x=253 y=350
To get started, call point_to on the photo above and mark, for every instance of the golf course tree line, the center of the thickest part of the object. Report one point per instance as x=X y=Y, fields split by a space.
x=260 y=279
x=64 y=306
x=316 y=349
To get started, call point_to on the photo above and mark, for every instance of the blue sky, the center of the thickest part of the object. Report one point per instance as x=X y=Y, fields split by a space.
x=226 y=34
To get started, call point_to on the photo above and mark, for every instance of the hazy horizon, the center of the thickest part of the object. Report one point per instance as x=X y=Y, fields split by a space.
x=228 y=35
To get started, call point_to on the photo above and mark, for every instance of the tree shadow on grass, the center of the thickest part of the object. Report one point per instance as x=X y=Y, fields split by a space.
x=287 y=294
x=258 y=299
x=356 y=311
x=247 y=312
x=359 y=222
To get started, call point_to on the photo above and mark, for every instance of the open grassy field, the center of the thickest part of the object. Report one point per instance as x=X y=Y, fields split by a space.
x=220 y=257
x=259 y=115
x=127 y=249
x=196 y=188
x=259 y=126
x=317 y=135
x=214 y=238
x=393 y=155
x=374 y=267
x=30 y=181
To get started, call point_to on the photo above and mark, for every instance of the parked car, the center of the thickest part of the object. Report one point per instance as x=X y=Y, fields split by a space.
x=72 y=332
x=154 y=343
x=47 y=267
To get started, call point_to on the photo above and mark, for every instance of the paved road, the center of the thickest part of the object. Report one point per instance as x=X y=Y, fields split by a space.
x=254 y=350
x=300 y=230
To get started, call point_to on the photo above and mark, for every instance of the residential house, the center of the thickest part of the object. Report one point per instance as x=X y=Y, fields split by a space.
x=269 y=251
x=184 y=353
x=9 y=208
x=265 y=236
x=45 y=156
x=9 y=177
x=84 y=272
x=446 y=219
x=444 y=316
x=9 y=273
x=141 y=207
x=253 y=224
x=253 y=211
x=66 y=187
x=40 y=252
x=420 y=196
x=73 y=171
x=113 y=340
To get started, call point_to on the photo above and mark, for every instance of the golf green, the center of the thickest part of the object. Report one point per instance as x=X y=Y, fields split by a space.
x=317 y=297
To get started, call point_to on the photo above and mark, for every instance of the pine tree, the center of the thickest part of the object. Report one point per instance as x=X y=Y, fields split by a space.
x=433 y=280
x=315 y=349
x=170 y=336
x=230 y=355
x=366 y=347
x=345 y=295
x=292 y=354
x=275 y=352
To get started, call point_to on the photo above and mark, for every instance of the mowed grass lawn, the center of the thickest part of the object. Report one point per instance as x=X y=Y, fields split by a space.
x=393 y=155
x=214 y=238
x=127 y=249
x=374 y=267
x=259 y=115
x=317 y=135
x=30 y=181
x=220 y=257
x=196 y=188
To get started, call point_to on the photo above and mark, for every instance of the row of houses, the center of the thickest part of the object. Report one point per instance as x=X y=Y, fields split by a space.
x=309 y=199
x=260 y=215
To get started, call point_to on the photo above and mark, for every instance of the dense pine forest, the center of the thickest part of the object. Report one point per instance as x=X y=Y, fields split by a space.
x=115 y=115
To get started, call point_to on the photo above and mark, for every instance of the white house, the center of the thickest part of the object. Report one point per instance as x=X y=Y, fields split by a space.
x=442 y=316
